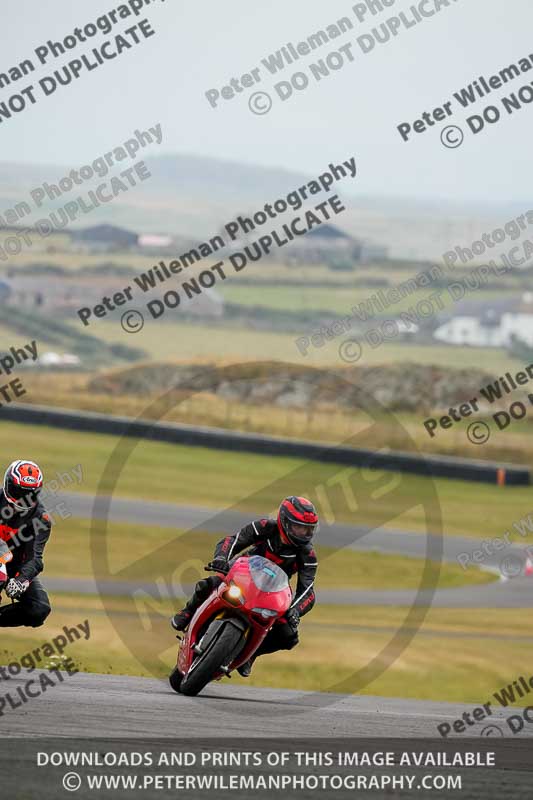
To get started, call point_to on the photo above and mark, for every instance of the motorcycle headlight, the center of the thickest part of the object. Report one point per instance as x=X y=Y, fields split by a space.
x=265 y=612
x=234 y=595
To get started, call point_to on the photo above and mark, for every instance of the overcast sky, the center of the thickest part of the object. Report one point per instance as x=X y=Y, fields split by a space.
x=199 y=46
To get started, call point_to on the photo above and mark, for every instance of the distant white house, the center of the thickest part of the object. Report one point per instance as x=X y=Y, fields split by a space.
x=50 y=359
x=489 y=324
x=152 y=241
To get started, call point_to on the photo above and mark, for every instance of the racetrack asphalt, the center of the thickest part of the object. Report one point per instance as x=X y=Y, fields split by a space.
x=114 y=706
x=90 y=705
x=516 y=592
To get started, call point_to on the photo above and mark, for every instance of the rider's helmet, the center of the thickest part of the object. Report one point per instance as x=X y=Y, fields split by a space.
x=297 y=521
x=23 y=480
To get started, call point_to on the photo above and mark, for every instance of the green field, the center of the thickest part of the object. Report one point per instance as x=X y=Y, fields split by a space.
x=337 y=300
x=280 y=288
x=15 y=338
x=255 y=483
x=456 y=656
x=264 y=287
x=69 y=554
x=179 y=341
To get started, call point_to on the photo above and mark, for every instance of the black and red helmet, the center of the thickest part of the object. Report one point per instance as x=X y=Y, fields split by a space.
x=23 y=480
x=297 y=521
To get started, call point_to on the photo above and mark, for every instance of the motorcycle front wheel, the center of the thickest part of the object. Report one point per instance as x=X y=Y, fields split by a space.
x=175 y=678
x=207 y=664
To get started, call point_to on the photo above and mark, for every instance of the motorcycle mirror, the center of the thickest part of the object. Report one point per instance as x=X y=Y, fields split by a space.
x=5 y=554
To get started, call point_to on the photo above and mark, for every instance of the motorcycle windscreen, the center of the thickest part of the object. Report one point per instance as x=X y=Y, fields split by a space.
x=266 y=575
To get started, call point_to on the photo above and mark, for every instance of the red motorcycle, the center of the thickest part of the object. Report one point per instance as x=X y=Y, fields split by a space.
x=230 y=625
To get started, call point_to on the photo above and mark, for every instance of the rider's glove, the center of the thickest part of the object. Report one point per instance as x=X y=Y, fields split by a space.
x=293 y=618
x=219 y=564
x=16 y=588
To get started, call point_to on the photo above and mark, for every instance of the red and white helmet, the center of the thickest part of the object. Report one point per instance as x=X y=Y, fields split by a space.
x=23 y=480
x=297 y=521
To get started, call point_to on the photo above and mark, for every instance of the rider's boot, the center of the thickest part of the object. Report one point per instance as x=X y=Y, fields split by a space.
x=181 y=620
x=246 y=669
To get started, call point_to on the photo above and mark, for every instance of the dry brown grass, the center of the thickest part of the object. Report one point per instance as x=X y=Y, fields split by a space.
x=398 y=431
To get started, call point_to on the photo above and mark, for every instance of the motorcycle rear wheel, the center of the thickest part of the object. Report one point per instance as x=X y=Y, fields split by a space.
x=206 y=666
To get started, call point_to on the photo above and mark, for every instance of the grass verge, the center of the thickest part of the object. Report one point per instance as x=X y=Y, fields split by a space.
x=255 y=483
x=68 y=554
x=457 y=656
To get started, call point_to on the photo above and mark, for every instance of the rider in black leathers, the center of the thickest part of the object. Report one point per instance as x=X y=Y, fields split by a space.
x=25 y=527
x=288 y=542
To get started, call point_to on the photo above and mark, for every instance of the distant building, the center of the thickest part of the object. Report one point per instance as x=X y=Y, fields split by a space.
x=104 y=238
x=492 y=324
x=5 y=292
x=330 y=232
x=325 y=244
x=329 y=244
x=64 y=295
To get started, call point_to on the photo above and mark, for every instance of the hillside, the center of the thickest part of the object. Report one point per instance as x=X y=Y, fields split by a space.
x=192 y=196
x=51 y=333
